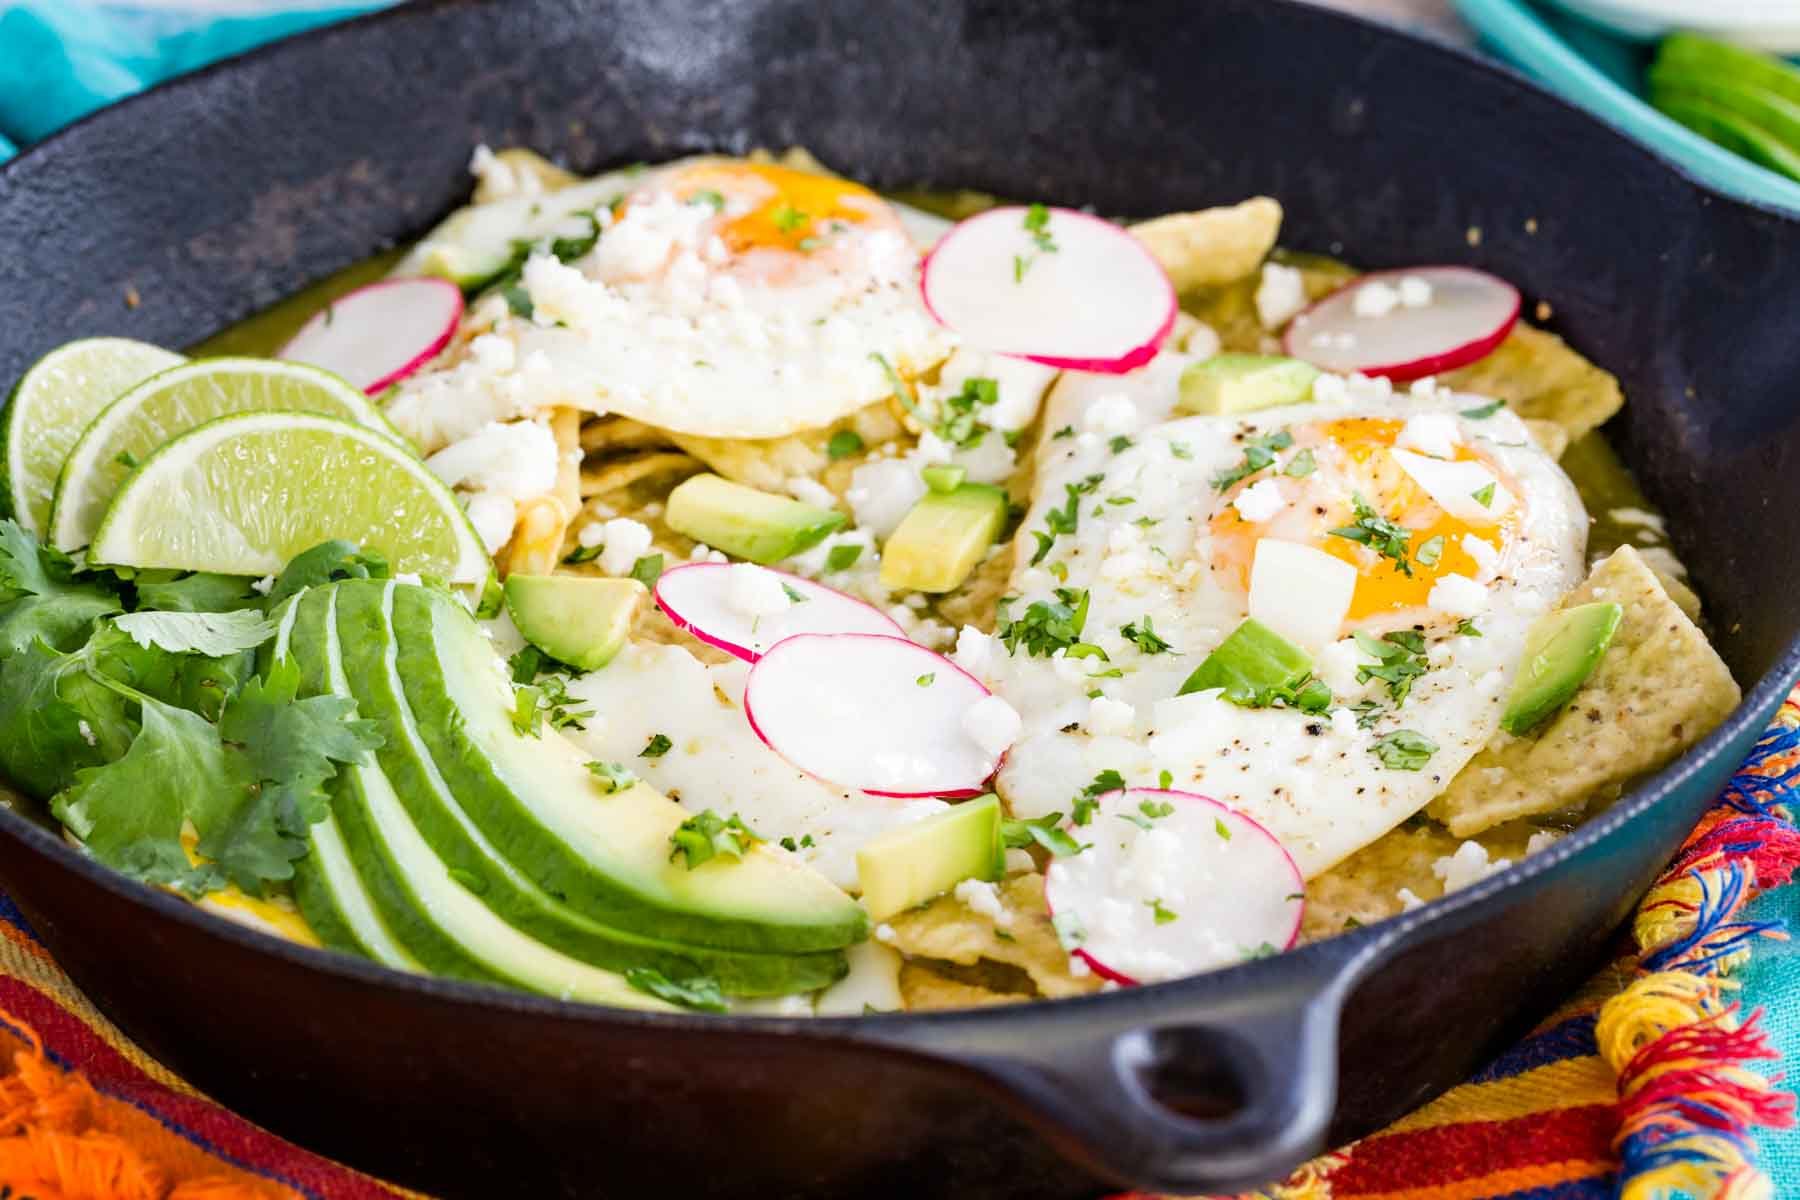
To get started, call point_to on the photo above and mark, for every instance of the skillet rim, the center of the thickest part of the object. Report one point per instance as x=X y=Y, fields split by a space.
x=1331 y=965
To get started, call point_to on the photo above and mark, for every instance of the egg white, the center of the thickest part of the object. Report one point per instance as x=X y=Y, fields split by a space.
x=1313 y=781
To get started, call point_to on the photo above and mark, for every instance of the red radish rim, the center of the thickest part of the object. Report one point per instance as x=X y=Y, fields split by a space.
x=1430 y=364
x=744 y=652
x=418 y=360
x=1105 y=972
x=953 y=794
x=1097 y=366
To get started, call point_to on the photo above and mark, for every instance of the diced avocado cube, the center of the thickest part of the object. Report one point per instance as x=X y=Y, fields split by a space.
x=943 y=538
x=744 y=522
x=574 y=619
x=1561 y=651
x=1241 y=383
x=1252 y=665
x=943 y=477
x=910 y=865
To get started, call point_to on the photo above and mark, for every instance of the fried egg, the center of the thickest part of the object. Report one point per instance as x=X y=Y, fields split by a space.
x=1179 y=535
x=720 y=298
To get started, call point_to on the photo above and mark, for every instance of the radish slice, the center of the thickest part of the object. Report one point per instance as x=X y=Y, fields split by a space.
x=873 y=713
x=1406 y=324
x=1170 y=884
x=1055 y=286
x=697 y=598
x=379 y=334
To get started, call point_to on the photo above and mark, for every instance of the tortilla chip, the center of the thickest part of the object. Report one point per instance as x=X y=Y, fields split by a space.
x=525 y=165
x=977 y=601
x=1542 y=379
x=1659 y=689
x=602 y=434
x=925 y=990
x=1365 y=887
x=1214 y=245
x=1230 y=311
x=768 y=463
x=949 y=930
x=1552 y=438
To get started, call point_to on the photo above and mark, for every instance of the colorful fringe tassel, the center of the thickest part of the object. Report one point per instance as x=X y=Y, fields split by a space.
x=1688 y=1104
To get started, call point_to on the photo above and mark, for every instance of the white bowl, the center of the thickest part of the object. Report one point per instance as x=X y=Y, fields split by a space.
x=1772 y=25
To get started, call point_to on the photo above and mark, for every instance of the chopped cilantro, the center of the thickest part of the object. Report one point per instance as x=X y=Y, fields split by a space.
x=1259 y=455
x=1120 y=444
x=1163 y=915
x=1180 y=450
x=614 y=777
x=659 y=746
x=1144 y=636
x=843 y=444
x=711 y=196
x=1045 y=831
x=1399 y=659
x=1037 y=224
x=794 y=595
x=1385 y=537
x=1485 y=495
x=1484 y=411
x=1430 y=550
x=1047 y=625
x=648 y=569
x=1165 y=780
x=1301 y=465
x=1069 y=930
x=1467 y=628
x=1067 y=431
x=582 y=554
x=128 y=460
x=1367 y=713
x=927 y=679
x=1221 y=828
x=1403 y=750
x=706 y=835
x=787 y=218
x=957 y=418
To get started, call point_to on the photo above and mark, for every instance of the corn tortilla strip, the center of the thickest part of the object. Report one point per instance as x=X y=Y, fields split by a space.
x=621 y=433
x=565 y=426
x=536 y=545
x=613 y=474
x=1552 y=438
x=950 y=930
x=925 y=990
x=768 y=463
x=1214 y=245
x=1365 y=887
x=1542 y=379
x=1659 y=689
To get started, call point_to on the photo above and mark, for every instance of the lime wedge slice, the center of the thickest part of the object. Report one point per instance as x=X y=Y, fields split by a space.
x=244 y=494
x=168 y=405
x=53 y=403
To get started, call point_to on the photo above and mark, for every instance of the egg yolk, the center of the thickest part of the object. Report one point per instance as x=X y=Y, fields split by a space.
x=787 y=209
x=1354 y=457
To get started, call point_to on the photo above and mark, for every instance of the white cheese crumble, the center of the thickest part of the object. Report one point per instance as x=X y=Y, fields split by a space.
x=1435 y=434
x=263 y=586
x=885 y=933
x=984 y=898
x=974 y=651
x=626 y=541
x=1202 y=342
x=493 y=516
x=1260 y=501
x=1107 y=717
x=1375 y=299
x=811 y=491
x=756 y=591
x=87 y=733
x=1470 y=864
x=1280 y=295
x=1458 y=596
x=992 y=724
x=1111 y=415
x=882 y=492
x=1331 y=389
x=1415 y=291
x=518 y=460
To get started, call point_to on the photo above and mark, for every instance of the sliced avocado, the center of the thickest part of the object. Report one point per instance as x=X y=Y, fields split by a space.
x=1561 y=651
x=1252 y=664
x=943 y=538
x=434 y=913
x=575 y=619
x=371 y=671
x=1239 y=383
x=746 y=523
x=910 y=865
x=1778 y=116
x=604 y=855
x=327 y=887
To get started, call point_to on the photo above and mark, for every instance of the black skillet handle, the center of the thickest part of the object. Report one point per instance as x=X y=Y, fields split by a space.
x=1132 y=1104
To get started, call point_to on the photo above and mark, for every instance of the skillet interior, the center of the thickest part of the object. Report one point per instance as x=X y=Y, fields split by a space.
x=214 y=197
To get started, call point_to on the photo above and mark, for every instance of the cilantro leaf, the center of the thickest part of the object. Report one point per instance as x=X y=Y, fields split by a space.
x=324 y=563
x=843 y=556
x=843 y=444
x=706 y=835
x=1047 y=625
x=211 y=634
x=1403 y=750
x=1045 y=831
x=1145 y=637
x=170 y=591
x=699 y=992
x=57 y=719
x=1399 y=659
x=659 y=746
x=39 y=597
x=1259 y=455
x=614 y=777
x=1387 y=538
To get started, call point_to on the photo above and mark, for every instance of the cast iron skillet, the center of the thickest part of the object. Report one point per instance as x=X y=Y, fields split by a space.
x=222 y=193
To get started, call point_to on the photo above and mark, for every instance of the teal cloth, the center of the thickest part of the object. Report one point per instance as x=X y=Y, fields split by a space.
x=62 y=59
x=1771 y=981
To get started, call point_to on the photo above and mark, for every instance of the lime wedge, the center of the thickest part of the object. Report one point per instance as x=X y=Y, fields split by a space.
x=244 y=494
x=168 y=405
x=52 y=405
